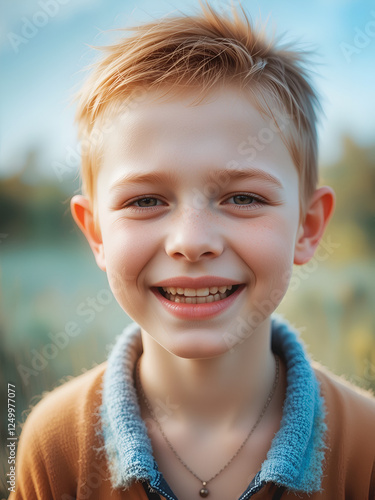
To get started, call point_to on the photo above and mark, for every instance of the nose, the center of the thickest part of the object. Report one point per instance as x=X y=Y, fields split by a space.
x=193 y=235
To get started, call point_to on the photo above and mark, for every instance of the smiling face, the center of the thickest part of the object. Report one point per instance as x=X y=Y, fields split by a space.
x=197 y=238
x=178 y=199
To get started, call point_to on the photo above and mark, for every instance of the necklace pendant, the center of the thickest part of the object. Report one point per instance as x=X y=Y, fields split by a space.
x=204 y=491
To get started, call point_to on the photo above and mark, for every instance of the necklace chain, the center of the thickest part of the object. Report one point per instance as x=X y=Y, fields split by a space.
x=204 y=492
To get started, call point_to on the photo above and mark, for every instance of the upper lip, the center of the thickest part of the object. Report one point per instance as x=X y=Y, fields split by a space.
x=202 y=282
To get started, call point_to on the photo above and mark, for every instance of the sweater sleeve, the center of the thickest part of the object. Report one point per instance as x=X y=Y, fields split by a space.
x=350 y=451
x=32 y=477
x=43 y=468
x=57 y=457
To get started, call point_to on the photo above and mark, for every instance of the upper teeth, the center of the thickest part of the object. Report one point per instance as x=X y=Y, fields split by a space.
x=197 y=292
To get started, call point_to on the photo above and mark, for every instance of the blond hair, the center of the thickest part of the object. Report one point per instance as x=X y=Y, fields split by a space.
x=201 y=51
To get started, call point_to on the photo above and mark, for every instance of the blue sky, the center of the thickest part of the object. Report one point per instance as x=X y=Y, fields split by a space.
x=41 y=73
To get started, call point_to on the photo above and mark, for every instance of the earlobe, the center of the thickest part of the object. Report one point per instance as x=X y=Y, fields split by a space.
x=312 y=228
x=82 y=213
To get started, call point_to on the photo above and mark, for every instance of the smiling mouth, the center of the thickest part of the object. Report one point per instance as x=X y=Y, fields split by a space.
x=197 y=296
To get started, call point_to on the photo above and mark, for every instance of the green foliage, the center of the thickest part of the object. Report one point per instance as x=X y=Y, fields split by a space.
x=35 y=208
x=353 y=178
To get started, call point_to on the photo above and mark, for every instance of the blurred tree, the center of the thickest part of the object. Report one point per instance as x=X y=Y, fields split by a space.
x=353 y=178
x=33 y=207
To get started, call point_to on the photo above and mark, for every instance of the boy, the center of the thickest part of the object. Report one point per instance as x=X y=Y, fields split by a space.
x=200 y=192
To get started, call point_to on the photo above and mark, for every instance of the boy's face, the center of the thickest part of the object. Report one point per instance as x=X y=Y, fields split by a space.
x=207 y=191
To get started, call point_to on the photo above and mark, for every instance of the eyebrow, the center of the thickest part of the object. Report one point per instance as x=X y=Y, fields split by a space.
x=145 y=178
x=248 y=173
x=172 y=178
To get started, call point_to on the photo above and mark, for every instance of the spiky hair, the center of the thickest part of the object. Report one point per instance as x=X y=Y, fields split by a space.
x=202 y=51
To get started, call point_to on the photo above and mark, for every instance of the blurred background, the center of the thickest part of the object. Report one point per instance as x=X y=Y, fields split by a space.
x=50 y=329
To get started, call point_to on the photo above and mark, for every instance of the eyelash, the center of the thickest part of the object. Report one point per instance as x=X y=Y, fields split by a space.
x=257 y=201
x=131 y=203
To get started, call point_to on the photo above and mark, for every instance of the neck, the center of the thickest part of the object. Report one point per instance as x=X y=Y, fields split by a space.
x=218 y=391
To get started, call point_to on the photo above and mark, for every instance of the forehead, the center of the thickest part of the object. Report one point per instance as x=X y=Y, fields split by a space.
x=159 y=131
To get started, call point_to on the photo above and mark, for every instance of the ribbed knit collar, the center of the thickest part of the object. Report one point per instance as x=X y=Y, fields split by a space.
x=295 y=458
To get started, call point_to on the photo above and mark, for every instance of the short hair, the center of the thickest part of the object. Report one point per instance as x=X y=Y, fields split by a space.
x=202 y=51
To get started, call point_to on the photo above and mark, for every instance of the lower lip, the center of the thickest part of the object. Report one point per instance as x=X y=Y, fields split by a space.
x=197 y=311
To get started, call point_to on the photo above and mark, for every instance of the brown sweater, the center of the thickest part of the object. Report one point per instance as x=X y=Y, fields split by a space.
x=58 y=457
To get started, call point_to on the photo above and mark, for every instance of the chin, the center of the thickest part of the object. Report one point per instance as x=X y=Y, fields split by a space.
x=194 y=348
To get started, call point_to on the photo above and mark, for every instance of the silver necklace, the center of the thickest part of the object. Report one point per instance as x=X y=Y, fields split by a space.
x=204 y=492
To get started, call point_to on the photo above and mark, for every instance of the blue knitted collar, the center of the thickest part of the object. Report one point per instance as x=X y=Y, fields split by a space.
x=295 y=458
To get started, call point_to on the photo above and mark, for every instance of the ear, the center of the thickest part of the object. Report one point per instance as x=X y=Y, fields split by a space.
x=315 y=221
x=82 y=213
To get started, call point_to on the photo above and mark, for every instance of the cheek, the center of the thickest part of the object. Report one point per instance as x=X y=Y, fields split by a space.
x=127 y=251
x=267 y=248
